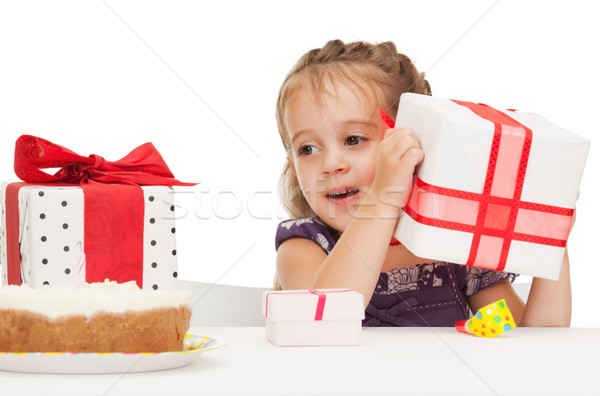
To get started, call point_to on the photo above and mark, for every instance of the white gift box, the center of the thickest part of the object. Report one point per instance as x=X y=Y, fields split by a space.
x=324 y=317
x=496 y=188
x=51 y=236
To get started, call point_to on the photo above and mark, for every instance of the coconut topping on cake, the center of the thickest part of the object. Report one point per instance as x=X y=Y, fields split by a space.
x=109 y=297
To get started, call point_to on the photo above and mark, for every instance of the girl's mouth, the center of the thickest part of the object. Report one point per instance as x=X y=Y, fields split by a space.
x=342 y=196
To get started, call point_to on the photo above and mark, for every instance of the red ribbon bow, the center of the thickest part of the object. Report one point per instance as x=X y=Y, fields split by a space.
x=142 y=166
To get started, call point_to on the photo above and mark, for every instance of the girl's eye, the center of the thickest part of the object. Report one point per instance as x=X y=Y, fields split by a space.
x=354 y=140
x=307 y=150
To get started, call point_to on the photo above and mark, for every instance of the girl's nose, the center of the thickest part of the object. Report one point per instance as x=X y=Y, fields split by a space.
x=335 y=162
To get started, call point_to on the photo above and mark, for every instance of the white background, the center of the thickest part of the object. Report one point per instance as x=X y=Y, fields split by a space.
x=200 y=80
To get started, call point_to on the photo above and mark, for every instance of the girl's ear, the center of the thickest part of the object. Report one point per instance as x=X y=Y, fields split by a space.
x=291 y=165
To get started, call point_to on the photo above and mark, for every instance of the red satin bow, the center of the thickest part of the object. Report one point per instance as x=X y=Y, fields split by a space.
x=142 y=166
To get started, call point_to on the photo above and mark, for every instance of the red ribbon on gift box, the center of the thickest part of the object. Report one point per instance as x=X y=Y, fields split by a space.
x=322 y=298
x=110 y=190
x=497 y=215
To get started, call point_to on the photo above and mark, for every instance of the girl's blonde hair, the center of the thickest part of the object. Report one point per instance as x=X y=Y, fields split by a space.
x=375 y=70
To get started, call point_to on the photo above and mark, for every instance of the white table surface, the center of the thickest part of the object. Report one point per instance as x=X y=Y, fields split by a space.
x=388 y=361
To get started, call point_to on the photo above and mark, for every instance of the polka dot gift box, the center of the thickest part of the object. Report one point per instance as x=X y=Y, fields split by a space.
x=68 y=235
x=490 y=321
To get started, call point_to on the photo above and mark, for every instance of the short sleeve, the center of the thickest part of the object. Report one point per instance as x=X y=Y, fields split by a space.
x=477 y=279
x=308 y=228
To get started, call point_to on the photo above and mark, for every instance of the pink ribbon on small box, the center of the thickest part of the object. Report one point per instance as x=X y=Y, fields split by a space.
x=322 y=297
x=496 y=216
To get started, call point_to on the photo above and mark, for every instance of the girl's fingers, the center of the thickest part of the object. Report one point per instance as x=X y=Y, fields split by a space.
x=392 y=131
x=413 y=157
x=399 y=141
x=404 y=144
x=394 y=135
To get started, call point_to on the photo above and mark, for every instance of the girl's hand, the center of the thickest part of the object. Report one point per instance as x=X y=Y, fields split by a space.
x=398 y=154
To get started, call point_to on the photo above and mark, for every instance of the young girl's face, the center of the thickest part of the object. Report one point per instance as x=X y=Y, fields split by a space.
x=334 y=144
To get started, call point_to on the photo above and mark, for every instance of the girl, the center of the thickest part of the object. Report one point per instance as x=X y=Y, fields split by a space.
x=345 y=187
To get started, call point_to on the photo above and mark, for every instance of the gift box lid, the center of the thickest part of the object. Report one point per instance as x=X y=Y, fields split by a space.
x=457 y=144
x=317 y=304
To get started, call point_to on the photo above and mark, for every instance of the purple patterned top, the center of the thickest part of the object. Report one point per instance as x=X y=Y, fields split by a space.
x=432 y=294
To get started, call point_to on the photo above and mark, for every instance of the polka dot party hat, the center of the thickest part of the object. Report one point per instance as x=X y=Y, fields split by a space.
x=490 y=321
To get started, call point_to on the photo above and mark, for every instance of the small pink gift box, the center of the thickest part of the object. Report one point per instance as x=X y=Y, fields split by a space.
x=324 y=317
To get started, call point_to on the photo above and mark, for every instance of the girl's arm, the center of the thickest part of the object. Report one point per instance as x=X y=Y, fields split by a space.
x=549 y=302
x=356 y=260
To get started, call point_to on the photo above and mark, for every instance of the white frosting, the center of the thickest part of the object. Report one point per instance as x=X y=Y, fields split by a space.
x=191 y=343
x=108 y=297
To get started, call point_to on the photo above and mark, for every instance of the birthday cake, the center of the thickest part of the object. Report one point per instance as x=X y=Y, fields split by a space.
x=101 y=317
